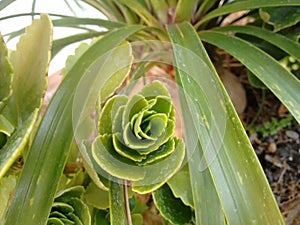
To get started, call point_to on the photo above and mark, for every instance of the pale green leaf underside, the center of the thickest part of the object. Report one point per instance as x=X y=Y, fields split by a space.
x=280 y=81
x=144 y=178
x=171 y=208
x=118 y=67
x=96 y=196
x=223 y=158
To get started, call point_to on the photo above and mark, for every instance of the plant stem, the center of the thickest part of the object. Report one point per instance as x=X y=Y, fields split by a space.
x=117 y=206
x=127 y=207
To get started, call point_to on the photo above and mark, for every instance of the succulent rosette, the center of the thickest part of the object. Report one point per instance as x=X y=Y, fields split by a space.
x=136 y=141
x=69 y=208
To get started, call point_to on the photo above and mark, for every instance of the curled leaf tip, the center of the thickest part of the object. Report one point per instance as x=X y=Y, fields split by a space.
x=135 y=140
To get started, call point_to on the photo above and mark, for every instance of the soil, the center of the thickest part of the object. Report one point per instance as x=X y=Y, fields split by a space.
x=278 y=152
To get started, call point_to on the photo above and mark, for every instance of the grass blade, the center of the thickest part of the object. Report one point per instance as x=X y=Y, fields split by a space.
x=223 y=156
x=5 y=3
x=286 y=44
x=59 y=44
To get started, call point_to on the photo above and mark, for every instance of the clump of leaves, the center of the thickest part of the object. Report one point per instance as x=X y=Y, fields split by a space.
x=136 y=140
x=272 y=126
x=69 y=208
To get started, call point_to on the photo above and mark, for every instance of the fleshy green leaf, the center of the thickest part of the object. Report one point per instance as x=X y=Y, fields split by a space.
x=159 y=173
x=118 y=69
x=6 y=75
x=101 y=218
x=181 y=186
x=228 y=183
x=105 y=155
x=108 y=113
x=73 y=192
x=137 y=219
x=81 y=210
x=16 y=143
x=5 y=126
x=7 y=186
x=45 y=160
x=280 y=17
x=96 y=196
x=280 y=81
x=171 y=208
x=30 y=62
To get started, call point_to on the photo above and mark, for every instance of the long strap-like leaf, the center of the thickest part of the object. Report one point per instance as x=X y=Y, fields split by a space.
x=286 y=44
x=228 y=183
x=280 y=81
x=44 y=164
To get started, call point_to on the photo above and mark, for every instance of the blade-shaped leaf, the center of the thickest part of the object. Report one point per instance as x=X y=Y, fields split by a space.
x=160 y=8
x=185 y=10
x=7 y=185
x=5 y=3
x=280 y=17
x=6 y=75
x=16 y=143
x=170 y=207
x=5 y=126
x=235 y=6
x=280 y=81
x=30 y=62
x=47 y=156
x=70 y=21
x=108 y=8
x=59 y=44
x=140 y=10
x=286 y=44
x=223 y=158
